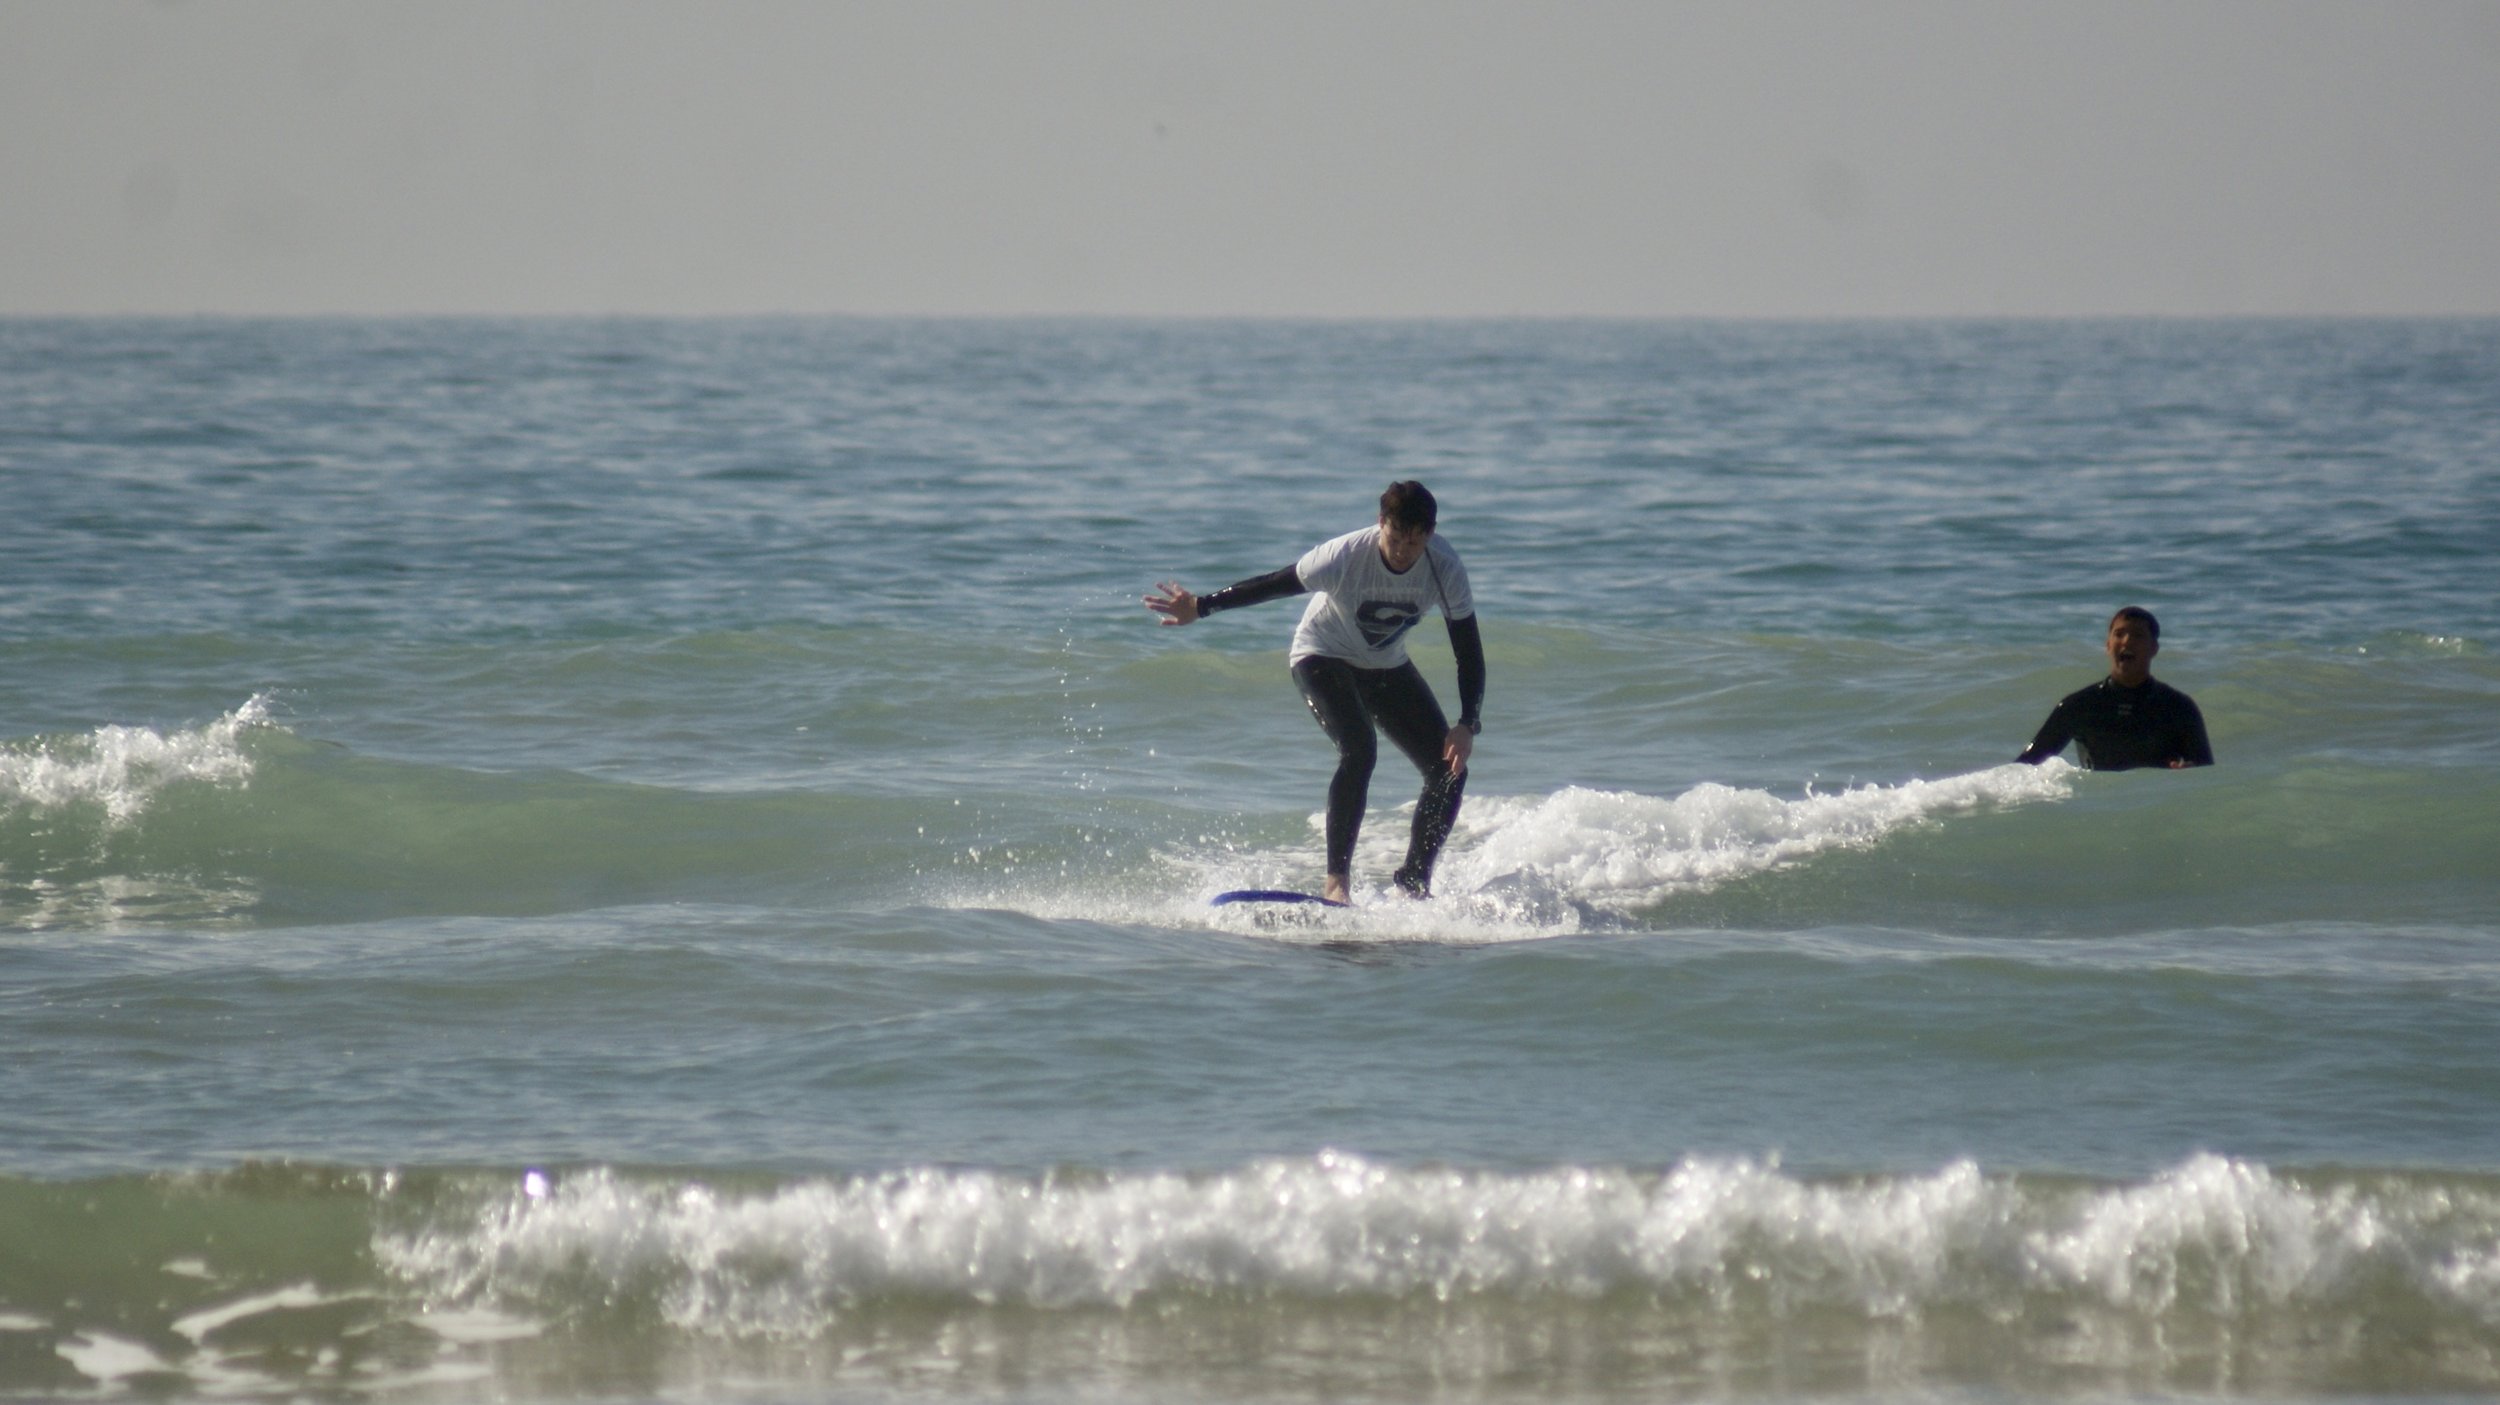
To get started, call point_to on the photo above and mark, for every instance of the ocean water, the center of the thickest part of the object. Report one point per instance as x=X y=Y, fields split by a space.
x=576 y=860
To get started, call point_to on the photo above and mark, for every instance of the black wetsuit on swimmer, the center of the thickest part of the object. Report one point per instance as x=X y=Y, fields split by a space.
x=1353 y=704
x=2118 y=728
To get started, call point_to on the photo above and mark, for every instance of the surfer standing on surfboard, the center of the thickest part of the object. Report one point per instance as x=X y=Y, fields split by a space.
x=1367 y=589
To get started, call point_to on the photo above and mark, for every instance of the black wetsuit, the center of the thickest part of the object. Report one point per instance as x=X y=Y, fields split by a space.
x=1349 y=702
x=2117 y=728
x=1354 y=704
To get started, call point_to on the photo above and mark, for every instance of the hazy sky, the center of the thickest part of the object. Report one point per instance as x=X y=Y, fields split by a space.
x=1351 y=158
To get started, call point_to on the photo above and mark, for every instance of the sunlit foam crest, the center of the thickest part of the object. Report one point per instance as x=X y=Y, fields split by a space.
x=2239 y=1237
x=122 y=769
x=2211 y=1236
x=1621 y=850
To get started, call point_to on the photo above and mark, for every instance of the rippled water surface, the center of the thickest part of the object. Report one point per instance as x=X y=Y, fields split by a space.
x=565 y=860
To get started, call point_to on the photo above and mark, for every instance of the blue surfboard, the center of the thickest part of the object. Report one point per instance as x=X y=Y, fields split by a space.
x=1270 y=895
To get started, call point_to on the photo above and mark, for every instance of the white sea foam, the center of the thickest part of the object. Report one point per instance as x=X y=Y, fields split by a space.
x=100 y=1356
x=244 y=1369
x=198 y=1325
x=1622 y=850
x=121 y=770
x=2211 y=1236
x=476 y=1326
x=1522 y=867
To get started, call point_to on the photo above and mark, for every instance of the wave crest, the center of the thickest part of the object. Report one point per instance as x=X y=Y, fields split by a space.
x=1623 y=850
x=121 y=770
x=2211 y=1238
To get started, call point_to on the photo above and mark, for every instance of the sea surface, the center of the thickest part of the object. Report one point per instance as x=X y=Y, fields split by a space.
x=622 y=860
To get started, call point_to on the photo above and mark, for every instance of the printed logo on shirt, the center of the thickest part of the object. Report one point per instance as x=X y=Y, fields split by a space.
x=1383 y=621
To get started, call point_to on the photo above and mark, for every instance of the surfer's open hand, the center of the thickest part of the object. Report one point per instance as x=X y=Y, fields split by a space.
x=1177 y=606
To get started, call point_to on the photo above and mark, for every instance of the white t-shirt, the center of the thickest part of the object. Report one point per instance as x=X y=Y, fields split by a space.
x=1360 y=610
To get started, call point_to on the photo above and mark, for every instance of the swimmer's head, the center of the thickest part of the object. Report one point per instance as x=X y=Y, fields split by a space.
x=2134 y=637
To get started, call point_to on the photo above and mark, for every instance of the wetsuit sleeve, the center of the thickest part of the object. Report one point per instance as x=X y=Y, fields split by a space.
x=2194 y=747
x=2051 y=739
x=1275 y=585
x=1468 y=645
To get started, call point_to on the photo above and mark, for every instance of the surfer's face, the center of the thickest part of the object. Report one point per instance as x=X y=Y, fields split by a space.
x=1401 y=546
x=2131 y=650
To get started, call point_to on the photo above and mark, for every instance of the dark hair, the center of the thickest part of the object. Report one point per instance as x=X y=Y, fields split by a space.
x=2141 y=616
x=1409 y=504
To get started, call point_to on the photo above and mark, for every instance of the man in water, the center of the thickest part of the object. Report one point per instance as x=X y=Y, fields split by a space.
x=1367 y=589
x=2128 y=719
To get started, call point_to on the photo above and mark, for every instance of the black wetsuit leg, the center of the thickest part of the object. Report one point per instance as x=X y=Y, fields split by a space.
x=1408 y=712
x=1352 y=706
x=1336 y=699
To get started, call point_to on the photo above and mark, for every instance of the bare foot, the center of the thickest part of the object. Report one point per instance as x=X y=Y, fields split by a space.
x=1335 y=890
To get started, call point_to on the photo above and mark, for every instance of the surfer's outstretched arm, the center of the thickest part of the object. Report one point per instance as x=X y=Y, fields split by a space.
x=1178 y=606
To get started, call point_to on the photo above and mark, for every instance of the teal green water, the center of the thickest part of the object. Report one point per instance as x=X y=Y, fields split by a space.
x=565 y=860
